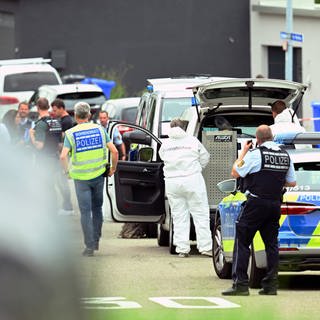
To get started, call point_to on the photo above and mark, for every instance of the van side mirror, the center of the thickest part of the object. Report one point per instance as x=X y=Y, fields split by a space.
x=145 y=154
x=227 y=186
x=137 y=136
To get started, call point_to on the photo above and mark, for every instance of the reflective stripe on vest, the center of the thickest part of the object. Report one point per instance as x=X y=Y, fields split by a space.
x=88 y=151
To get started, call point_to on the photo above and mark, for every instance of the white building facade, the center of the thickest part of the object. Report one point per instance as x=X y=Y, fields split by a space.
x=267 y=20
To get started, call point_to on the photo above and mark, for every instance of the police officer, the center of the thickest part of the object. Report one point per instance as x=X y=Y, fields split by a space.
x=88 y=143
x=117 y=138
x=266 y=170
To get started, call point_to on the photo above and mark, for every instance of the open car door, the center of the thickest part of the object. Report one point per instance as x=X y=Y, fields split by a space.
x=135 y=193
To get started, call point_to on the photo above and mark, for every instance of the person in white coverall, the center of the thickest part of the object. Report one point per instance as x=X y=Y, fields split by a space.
x=184 y=158
x=283 y=122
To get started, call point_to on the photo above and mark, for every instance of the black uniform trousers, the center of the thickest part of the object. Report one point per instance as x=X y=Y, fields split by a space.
x=263 y=215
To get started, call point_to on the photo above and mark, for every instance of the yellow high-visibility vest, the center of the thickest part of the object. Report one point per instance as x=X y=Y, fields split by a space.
x=88 y=151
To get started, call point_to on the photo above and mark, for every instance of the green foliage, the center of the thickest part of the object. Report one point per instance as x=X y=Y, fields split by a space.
x=117 y=75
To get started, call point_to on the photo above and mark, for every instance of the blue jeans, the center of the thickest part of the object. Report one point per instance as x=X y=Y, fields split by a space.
x=90 y=199
x=62 y=183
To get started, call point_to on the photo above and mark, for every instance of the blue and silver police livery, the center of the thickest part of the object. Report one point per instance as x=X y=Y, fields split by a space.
x=299 y=233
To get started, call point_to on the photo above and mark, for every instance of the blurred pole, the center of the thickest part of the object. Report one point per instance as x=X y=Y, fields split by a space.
x=289 y=56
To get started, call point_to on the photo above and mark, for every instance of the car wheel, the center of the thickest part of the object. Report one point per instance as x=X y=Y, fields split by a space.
x=172 y=247
x=162 y=236
x=221 y=266
x=152 y=230
x=255 y=274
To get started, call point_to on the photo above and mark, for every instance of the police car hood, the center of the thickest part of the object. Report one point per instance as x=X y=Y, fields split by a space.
x=249 y=91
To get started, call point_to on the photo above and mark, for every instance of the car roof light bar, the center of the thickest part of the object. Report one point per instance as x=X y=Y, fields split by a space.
x=194 y=102
x=150 y=88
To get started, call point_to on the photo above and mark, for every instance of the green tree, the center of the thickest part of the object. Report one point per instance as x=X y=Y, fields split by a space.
x=117 y=75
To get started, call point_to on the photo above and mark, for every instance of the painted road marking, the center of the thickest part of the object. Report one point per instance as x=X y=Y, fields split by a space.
x=109 y=303
x=167 y=302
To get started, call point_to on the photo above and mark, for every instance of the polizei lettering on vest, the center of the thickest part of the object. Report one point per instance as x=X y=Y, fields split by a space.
x=276 y=160
x=88 y=140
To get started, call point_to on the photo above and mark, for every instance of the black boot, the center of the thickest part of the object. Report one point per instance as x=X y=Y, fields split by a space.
x=269 y=286
x=268 y=291
x=236 y=290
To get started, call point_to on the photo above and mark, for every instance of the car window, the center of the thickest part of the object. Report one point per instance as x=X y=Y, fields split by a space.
x=245 y=123
x=28 y=81
x=150 y=120
x=90 y=97
x=129 y=114
x=143 y=115
x=272 y=93
x=173 y=108
x=34 y=98
x=308 y=176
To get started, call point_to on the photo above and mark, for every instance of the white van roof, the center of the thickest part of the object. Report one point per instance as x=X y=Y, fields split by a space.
x=180 y=83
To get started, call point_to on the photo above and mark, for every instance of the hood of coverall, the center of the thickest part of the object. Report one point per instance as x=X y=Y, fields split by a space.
x=176 y=133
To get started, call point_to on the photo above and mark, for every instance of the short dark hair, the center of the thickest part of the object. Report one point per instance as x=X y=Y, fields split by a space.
x=43 y=104
x=58 y=103
x=23 y=103
x=104 y=111
x=278 y=106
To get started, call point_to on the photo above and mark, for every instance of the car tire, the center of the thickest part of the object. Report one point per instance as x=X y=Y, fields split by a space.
x=151 y=231
x=255 y=274
x=172 y=247
x=162 y=236
x=221 y=266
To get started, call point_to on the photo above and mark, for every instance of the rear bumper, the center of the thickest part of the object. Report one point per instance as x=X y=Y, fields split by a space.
x=291 y=261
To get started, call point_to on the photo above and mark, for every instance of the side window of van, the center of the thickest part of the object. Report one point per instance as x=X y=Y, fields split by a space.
x=142 y=113
x=150 y=120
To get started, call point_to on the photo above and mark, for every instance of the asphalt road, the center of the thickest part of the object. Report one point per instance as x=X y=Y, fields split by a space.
x=136 y=279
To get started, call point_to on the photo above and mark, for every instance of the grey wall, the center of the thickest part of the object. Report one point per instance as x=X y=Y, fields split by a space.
x=148 y=38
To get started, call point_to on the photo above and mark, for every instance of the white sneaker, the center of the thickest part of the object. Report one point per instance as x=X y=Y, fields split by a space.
x=183 y=255
x=207 y=253
x=63 y=212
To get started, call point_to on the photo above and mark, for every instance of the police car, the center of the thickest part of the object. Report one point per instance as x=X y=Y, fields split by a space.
x=299 y=233
x=225 y=114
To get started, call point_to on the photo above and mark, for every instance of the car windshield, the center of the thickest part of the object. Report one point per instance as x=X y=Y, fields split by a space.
x=93 y=98
x=28 y=81
x=173 y=108
x=308 y=176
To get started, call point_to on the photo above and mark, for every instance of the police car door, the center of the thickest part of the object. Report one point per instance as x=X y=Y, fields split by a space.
x=135 y=193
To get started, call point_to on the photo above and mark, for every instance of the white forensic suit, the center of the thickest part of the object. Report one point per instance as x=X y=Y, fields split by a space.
x=184 y=158
x=283 y=123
